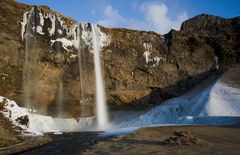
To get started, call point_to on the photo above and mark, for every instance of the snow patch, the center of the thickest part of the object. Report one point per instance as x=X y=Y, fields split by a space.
x=65 y=43
x=39 y=30
x=39 y=124
x=13 y=112
x=53 y=20
x=41 y=19
x=224 y=100
x=146 y=55
x=73 y=33
x=73 y=56
x=60 y=31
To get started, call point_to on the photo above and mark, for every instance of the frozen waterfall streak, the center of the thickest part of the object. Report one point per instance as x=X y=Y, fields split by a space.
x=102 y=116
x=80 y=62
x=59 y=95
x=27 y=65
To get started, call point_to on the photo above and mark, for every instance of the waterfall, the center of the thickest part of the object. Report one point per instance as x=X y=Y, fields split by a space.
x=101 y=109
x=78 y=37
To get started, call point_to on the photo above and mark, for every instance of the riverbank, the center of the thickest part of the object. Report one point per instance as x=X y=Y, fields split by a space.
x=66 y=143
x=173 y=140
x=25 y=144
x=12 y=142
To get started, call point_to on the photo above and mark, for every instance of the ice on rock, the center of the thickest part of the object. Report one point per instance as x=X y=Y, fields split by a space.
x=73 y=34
x=87 y=36
x=41 y=19
x=53 y=20
x=39 y=30
x=12 y=112
x=39 y=124
x=24 y=23
x=65 y=43
x=60 y=31
x=146 y=55
x=71 y=39
x=211 y=104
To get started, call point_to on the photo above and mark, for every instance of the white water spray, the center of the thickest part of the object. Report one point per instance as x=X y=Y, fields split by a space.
x=102 y=116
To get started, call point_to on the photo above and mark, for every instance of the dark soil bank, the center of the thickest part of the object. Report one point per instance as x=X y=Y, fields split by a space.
x=65 y=144
x=173 y=140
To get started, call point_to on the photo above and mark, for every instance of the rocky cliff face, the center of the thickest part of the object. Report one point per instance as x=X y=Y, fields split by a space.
x=140 y=68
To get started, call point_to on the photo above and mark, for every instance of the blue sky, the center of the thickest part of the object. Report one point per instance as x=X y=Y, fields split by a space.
x=150 y=15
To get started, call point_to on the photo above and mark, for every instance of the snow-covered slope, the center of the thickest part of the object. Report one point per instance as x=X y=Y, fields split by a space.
x=38 y=124
x=212 y=103
x=224 y=100
x=14 y=113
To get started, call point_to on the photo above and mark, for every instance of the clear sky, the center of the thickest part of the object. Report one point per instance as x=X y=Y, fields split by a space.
x=150 y=15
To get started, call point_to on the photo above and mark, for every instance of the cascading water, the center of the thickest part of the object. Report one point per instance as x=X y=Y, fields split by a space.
x=81 y=69
x=101 y=109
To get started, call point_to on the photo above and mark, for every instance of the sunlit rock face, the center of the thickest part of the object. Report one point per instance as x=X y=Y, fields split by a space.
x=140 y=68
x=66 y=42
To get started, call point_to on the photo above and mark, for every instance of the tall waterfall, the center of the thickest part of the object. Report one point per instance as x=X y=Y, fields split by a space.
x=101 y=109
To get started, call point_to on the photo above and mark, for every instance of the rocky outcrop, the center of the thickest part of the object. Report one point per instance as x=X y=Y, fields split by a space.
x=140 y=68
x=220 y=34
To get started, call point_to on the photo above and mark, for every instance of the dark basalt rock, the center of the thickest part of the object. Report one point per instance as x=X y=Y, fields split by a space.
x=182 y=138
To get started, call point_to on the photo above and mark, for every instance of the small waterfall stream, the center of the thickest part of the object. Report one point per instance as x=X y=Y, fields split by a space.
x=81 y=64
x=59 y=91
x=26 y=65
x=29 y=73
